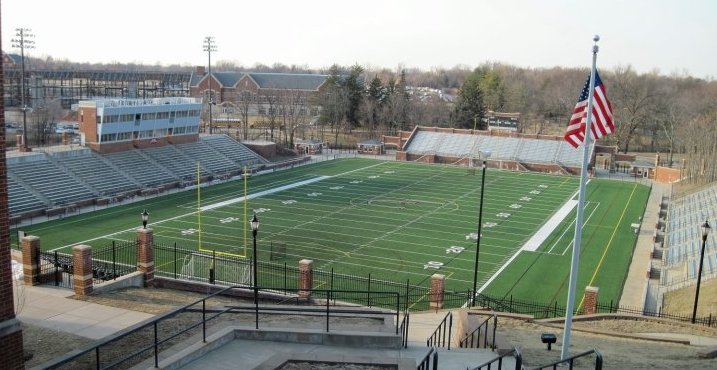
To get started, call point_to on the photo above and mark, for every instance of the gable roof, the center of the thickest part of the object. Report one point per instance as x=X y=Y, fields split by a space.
x=288 y=81
x=273 y=81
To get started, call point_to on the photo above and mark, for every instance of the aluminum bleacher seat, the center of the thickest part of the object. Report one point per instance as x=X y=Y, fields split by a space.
x=52 y=182
x=138 y=167
x=96 y=173
x=20 y=199
x=236 y=152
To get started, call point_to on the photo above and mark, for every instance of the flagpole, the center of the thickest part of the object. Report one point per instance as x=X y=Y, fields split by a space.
x=579 y=218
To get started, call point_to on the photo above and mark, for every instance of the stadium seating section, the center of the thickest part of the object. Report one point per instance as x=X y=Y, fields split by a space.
x=46 y=180
x=684 y=236
x=501 y=148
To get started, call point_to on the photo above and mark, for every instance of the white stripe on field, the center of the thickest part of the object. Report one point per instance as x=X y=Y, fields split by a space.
x=263 y=193
x=539 y=237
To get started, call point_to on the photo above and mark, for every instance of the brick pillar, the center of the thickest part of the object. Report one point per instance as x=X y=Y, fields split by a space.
x=30 y=259
x=145 y=254
x=438 y=282
x=82 y=269
x=591 y=299
x=306 y=278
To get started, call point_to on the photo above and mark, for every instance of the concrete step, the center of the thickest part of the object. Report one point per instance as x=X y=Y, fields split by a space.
x=465 y=358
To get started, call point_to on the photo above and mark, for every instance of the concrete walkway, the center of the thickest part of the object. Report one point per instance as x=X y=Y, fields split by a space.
x=51 y=308
x=635 y=289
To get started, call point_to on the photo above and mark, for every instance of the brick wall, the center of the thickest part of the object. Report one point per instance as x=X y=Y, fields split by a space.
x=82 y=269
x=591 y=299
x=437 y=289
x=145 y=254
x=11 y=351
x=306 y=279
x=30 y=259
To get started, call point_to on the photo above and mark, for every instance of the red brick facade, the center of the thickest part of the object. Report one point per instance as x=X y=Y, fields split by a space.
x=11 y=351
x=30 y=259
x=145 y=254
x=82 y=269
x=591 y=299
x=438 y=282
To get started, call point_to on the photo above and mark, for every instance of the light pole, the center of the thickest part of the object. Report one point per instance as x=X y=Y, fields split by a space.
x=145 y=218
x=24 y=41
x=705 y=231
x=209 y=46
x=254 y=228
x=484 y=155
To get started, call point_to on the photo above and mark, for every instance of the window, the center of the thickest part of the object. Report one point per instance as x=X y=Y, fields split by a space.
x=171 y=117
x=162 y=115
x=149 y=116
x=124 y=136
x=108 y=137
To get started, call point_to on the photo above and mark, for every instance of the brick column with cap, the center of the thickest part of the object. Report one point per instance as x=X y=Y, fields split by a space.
x=82 y=269
x=306 y=278
x=438 y=282
x=30 y=259
x=591 y=300
x=145 y=254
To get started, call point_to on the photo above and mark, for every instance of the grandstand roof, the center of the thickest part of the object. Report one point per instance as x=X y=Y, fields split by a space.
x=278 y=81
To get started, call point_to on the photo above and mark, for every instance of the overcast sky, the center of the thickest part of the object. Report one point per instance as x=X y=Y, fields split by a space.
x=670 y=36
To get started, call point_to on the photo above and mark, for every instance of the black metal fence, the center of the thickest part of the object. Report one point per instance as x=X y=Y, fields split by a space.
x=114 y=260
x=56 y=269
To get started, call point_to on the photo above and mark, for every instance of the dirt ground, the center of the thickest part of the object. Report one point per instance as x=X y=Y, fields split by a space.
x=681 y=301
x=42 y=344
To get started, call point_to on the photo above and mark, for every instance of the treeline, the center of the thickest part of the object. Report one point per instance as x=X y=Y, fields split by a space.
x=673 y=114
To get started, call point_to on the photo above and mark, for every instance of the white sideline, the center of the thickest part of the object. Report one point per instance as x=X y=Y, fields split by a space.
x=262 y=193
x=539 y=237
x=535 y=241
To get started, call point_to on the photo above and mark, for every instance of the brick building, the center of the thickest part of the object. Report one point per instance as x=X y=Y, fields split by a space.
x=260 y=94
x=113 y=125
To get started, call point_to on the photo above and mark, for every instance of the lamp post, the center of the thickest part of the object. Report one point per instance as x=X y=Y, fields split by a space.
x=23 y=41
x=705 y=230
x=145 y=218
x=254 y=228
x=484 y=155
x=209 y=46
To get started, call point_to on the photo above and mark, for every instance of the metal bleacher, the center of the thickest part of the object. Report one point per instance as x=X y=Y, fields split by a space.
x=21 y=199
x=233 y=150
x=180 y=165
x=54 y=183
x=96 y=173
x=683 y=234
x=50 y=179
x=144 y=171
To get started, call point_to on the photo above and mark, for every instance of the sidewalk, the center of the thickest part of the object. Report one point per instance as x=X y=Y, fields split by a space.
x=635 y=289
x=51 y=308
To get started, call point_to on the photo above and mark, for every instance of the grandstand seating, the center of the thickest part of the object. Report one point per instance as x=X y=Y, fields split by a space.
x=46 y=180
x=148 y=174
x=96 y=173
x=21 y=199
x=236 y=152
x=501 y=148
x=683 y=234
x=51 y=181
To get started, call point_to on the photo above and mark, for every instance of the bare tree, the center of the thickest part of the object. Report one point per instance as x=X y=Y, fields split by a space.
x=245 y=101
x=46 y=114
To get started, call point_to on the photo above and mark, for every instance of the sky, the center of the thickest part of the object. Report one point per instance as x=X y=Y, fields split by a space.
x=666 y=36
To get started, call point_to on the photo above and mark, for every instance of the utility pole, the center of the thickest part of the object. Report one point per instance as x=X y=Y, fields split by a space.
x=23 y=41
x=209 y=46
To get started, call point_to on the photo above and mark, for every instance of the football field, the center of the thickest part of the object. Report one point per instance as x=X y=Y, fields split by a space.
x=397 y=221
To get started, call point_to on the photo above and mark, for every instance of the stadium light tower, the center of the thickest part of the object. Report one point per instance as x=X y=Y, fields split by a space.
x=209 y=46
x=705 y=230
x=485 y=153
x=254 y=228
x=23 y=41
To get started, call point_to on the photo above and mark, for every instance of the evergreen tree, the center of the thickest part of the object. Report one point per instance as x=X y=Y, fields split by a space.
x=469 y=109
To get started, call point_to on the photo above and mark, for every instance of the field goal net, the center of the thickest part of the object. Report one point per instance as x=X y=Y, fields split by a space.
x=219 y=269
x=278 y=250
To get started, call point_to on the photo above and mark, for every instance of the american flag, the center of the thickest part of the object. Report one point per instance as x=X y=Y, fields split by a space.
x=601 y=118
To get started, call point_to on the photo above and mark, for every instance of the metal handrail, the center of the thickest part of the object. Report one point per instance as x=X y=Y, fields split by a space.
x=425 y=363
x=438 y=338
x=404 y=328
x=464 y=341
x=515 y=352
x=153 y=323
x=570 y=361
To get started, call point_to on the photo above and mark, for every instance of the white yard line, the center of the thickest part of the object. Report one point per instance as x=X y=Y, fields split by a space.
x=209 y=207
x=532 y=244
